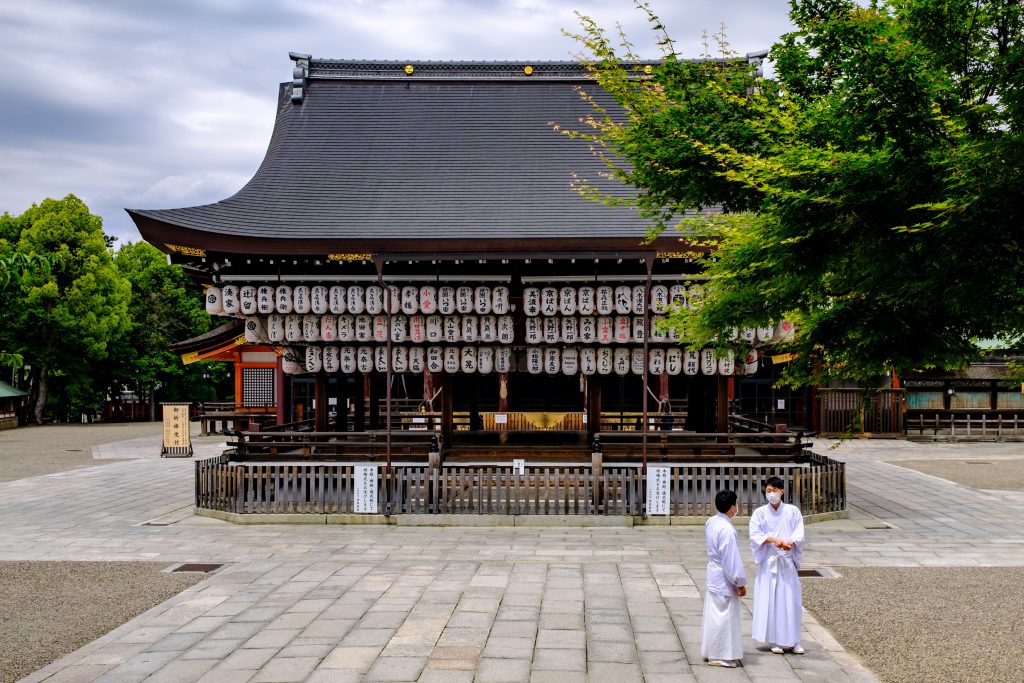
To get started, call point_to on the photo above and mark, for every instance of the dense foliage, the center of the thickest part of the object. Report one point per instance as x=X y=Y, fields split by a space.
x=871 y=190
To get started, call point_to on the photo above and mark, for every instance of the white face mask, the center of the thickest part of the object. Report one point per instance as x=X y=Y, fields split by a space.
x=774 y=498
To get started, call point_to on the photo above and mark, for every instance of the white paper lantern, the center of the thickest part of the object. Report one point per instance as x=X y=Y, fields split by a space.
x=214 y=301
x=605 y=301
x=638 y=328
x=605 y=360
x=435 y=329
x=658 y=332
x=452 y=359
x=482 y=300
x=399 y=328
x=534 y=360
x=428 y=299
x=410 y=299
x=380 y=358
x=691 y=362
x=314 y=359
x=229 y=295
x=552 y=360
x=785 y=331
x=468 y=359
x=588 y=360
x=570 y=360
x=708 y=362
x=531 y=301
x=318 y=301
x=293 y=328
x=567 y=300
x=695 y=296
x=395 y=302
x=348 y=360
x=452 y=329
x=417 y=329
x=623 y=300
x=374 y=300
x=750 y=363
x=338 y=300
x=623 y=361
x=464 y=299
x=300 y=297
x=485 y=360
x=673 y=361
x=417 y=360
x=636 y=361
x=435 y=359
x=677 y=294
x=503 y=359
x=446 y=300
x=293 y=362
x=533 y=330
x=726 y=363
x=255 y=331
x=364 y=328
x=552 y=329
x=399 y=359
x=656 y=361
x=549 y=301
x=470 y=329
x=605 y=329
x=356 y=296
x=248 y=298
x=639 y=300
x=364 y=359
x=311 y=327
x=585 y=297
x=284 y=304
x=275 y=327
x=506 y=329
x=588 y=329
x=764 y=334
x=659 y=298
x=346 y=328
x=623 y=329
x=265 y=302
x=380 y=328
x=570 y=330
x=500 y=300
x=748 y=334
x=331 y=359
x=488 y=329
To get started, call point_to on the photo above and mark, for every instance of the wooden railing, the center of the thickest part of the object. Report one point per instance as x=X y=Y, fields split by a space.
x=962 y=425
x=816 y=484
x=862 y=412
x=296 y=445
x=230 y=415
x=668 y=445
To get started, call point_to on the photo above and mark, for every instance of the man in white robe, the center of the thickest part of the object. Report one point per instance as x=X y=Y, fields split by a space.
x=777 y=538
x=721 y=642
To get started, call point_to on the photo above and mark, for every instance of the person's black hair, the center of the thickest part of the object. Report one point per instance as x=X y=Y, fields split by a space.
x=775 y=482
x=725 y=500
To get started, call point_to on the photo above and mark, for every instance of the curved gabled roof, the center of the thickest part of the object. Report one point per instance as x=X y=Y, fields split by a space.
x=365 y=154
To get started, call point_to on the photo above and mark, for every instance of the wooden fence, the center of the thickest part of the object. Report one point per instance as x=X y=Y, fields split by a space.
x=816 y=483
x=980 y=425
x=862 y=412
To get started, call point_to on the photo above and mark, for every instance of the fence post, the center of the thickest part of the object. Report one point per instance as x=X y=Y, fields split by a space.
x=596 y=471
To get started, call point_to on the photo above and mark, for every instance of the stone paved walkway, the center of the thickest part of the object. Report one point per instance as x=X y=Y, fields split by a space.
x=296 y=603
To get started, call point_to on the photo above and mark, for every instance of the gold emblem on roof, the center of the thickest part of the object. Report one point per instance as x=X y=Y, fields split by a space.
x=409 y=68
x=350 y=257
x=187 y=251
x=528 y=70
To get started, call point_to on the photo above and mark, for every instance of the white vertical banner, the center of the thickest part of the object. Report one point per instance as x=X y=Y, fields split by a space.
x=366 y=489
x=657 y=491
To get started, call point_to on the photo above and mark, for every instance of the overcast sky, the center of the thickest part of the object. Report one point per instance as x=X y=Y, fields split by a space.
x=170 y=103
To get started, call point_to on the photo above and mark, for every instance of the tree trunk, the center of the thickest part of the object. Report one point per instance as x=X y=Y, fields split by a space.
x=40 y=391
x=151 y=408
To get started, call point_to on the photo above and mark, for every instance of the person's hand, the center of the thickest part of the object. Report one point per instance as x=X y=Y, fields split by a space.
x=741 y=590
x=787 y=545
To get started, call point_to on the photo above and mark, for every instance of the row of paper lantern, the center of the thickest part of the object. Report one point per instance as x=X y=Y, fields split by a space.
x=535 y=360
x=446 y=300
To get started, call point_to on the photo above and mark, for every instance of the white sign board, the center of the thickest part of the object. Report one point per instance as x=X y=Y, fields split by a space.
x=366 y=489
x=500 y=419
x=657 y=491
x=519 y=466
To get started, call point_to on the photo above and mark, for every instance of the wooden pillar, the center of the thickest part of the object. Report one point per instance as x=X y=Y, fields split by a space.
x=359 y=400
x=593 y=406
x=475 y=423
x=374 y=395
x=342 y=398
x=503 y=392
x=322 y=407
x=722 y=404
x=447 y=411
x=280 y=395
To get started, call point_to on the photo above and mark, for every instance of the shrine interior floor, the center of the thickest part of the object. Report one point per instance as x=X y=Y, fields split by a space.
x=331 y=603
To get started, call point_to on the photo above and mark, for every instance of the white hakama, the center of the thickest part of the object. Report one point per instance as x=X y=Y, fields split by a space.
x=721 y=637
x=778 y=607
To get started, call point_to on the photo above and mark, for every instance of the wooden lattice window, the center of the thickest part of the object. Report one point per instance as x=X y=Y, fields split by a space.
x=257 y=386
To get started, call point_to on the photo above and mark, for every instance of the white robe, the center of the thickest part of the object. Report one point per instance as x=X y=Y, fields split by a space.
x=778 y=607
x=721 y=637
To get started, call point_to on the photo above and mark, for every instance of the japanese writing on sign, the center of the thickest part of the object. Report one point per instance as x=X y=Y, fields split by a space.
x=366 y=489
x=657 y=491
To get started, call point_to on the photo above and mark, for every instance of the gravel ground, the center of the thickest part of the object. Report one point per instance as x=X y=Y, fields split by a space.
x=31 y=451
x=998 y=474
x=913 y=624
x=50 y=609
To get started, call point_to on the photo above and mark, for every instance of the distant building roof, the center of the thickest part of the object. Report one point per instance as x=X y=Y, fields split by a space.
x=415 y=155
x=7 y=391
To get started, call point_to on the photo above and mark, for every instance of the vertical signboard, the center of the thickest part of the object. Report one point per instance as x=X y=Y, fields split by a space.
x=657 y=491
x=366 y=489
x=177 y=438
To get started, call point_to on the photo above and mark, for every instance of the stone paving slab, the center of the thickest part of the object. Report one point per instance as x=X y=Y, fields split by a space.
x=510 y=603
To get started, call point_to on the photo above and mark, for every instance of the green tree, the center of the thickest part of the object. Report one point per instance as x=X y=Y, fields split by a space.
x=62 y=321
x=871 y=190
x=13 y=267
x=165 y=308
